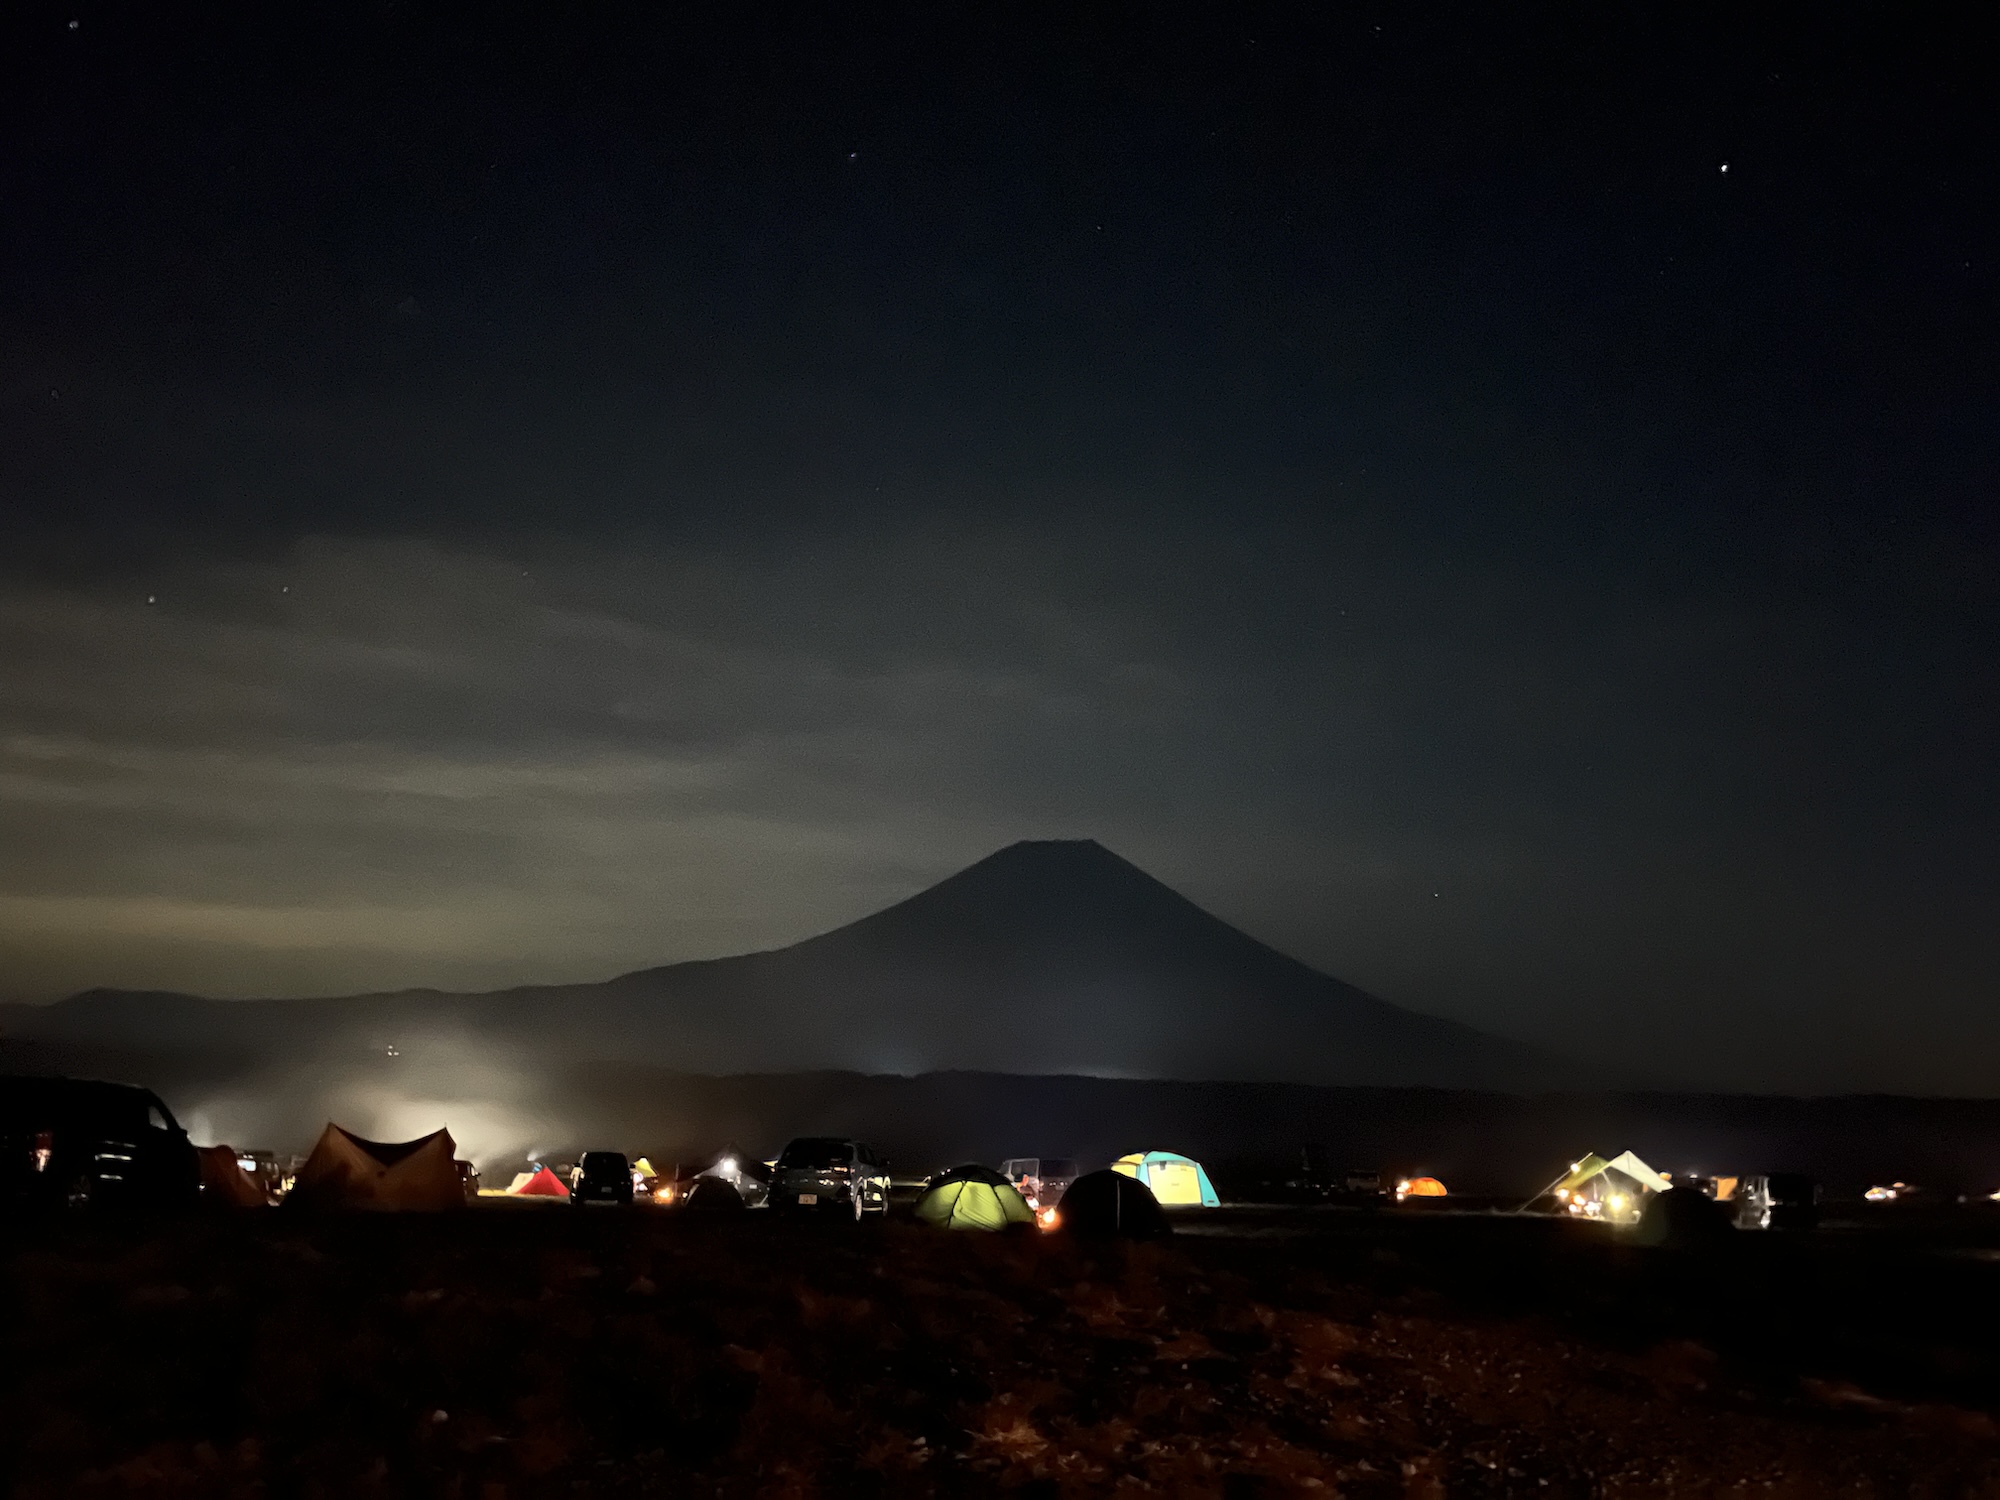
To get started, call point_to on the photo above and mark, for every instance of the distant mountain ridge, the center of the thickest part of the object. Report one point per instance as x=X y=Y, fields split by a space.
x=1045 y=957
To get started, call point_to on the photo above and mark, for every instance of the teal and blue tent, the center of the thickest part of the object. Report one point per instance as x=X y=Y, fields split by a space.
x=1176 y=1181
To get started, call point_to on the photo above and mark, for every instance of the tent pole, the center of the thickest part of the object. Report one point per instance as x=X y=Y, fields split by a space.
x=1544 y=1192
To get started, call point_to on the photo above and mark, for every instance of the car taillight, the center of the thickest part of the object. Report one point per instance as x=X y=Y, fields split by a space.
x=43 y=1149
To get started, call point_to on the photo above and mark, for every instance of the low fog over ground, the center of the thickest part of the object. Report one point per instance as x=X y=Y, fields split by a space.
x=504 y=1107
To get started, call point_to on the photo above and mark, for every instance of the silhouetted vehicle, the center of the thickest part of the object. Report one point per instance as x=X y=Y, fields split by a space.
x=75 y=1143
x=1361 y=1189
x=1783 y=1200
x=1042 y=1180
x=601 y=1177
x=830 y=1172
x=1317 y=1180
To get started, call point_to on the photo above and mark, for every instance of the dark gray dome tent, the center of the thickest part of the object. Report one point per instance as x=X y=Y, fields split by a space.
x=1110 y=1205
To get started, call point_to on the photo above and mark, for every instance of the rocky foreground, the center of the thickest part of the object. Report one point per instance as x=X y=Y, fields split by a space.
x=521 y=1352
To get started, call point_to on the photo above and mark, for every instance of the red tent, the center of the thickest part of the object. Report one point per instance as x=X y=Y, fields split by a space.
x=542 y=1183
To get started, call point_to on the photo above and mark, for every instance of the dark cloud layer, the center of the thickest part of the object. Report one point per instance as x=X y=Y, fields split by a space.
x=619 y=488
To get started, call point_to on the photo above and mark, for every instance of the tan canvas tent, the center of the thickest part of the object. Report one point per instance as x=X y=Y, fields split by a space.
x=225 y=1184
x=1578 y=1189
x=345 y=1171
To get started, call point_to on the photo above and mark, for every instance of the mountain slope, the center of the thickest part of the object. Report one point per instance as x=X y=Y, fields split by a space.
x=1051 y=957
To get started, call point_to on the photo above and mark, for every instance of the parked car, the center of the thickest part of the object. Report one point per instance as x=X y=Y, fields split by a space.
x=1783 y=1200
x=77 y=1143
x=1317 y=1179
x=601 y=1177
x=1359 y=1189
x=1042 y=1180
x=830 y=1172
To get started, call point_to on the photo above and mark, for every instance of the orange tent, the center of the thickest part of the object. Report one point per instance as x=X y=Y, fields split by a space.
x=541 y=1183
x=1420 y=1187
x=225 y=1184
x=345 y=1171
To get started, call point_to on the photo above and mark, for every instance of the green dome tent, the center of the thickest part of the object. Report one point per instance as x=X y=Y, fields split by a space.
x=973 y=1197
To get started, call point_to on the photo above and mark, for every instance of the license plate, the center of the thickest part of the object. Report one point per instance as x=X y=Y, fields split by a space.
x=808 y=1197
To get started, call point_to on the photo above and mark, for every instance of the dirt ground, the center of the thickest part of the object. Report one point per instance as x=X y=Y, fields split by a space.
x=524 y=1351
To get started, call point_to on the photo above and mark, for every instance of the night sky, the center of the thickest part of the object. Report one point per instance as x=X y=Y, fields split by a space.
x=1497 y=502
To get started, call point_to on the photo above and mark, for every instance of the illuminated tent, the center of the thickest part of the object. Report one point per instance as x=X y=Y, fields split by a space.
x=646 y=1182
x=1625 y=1164
x=973 y=1197
x=1420 y=1187
x=224 y=1183
x=970 y=1171
x=345 y=1171
x=1174 y=1181
x=540 y=1183
x=1593 y=1166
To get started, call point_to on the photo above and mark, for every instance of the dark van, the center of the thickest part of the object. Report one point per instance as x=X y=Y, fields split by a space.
x=76 y=1143
x=602 y=1177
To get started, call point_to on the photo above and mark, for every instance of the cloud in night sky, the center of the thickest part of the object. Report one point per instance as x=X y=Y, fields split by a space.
x=374 y=763
x=638 y=486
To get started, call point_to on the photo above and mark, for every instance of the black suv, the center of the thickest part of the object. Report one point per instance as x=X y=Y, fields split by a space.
x=71 y=1142
x=601 y=1177
x=830 y=1172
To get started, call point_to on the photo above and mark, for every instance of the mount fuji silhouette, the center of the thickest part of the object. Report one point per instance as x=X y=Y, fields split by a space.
x=1045 y=957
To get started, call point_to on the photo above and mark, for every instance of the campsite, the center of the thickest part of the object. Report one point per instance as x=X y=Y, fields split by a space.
x=526 y=1347
x=387 y=1316
x=1425 y=1308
